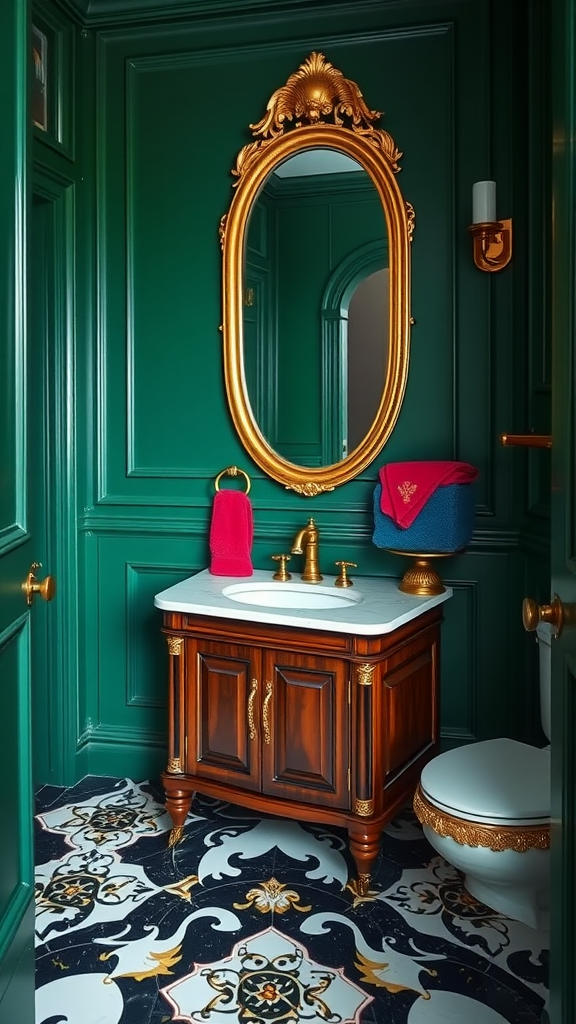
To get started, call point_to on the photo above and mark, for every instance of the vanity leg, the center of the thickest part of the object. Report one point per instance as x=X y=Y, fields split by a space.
x=178 y=801
x=364 y=847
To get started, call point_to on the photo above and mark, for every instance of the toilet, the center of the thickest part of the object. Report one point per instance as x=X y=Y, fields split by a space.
x=485 y=808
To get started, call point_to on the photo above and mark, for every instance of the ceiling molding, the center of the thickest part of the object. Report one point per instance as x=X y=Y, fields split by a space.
x=98 y=13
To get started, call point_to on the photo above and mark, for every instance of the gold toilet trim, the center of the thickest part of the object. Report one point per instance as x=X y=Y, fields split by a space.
x=470 y=833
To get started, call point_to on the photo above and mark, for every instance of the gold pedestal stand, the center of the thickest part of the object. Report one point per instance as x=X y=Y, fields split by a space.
x=421 y=578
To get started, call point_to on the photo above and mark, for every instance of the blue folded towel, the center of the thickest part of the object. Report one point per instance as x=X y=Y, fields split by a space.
x=446 y=522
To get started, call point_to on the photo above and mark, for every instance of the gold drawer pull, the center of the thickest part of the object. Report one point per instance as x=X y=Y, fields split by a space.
x=265 y=721
x=251 y=699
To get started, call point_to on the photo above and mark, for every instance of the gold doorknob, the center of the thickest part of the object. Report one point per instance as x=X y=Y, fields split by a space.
x=31 y=586
x=533 y=613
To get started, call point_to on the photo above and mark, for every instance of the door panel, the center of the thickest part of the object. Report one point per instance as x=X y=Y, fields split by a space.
x=224 y=714
x=16 y=541
x=305 y=726
x=563 y=524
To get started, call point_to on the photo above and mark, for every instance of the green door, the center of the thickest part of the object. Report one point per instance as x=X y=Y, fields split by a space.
x=17 y=549
x=563 y=918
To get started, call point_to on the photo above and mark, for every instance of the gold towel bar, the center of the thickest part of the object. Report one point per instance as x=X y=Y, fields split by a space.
x=527 y=440
x=233 y=471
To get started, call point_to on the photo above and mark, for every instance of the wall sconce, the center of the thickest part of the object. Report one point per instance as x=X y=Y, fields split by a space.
x=492 y=239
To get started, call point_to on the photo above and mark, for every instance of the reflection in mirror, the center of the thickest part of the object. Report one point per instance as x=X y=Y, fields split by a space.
x=367 y=354
x=315 y=313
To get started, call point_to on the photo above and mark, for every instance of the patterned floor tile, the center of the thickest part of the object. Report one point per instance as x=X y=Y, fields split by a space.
x=252 y=920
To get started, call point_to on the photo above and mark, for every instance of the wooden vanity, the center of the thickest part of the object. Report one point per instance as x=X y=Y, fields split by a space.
x=314 y=724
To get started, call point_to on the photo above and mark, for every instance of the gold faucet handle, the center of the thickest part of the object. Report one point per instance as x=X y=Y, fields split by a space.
x=282 y=573
x=343 y=579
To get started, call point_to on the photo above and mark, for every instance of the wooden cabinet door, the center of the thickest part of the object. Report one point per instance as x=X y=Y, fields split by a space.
x=305 y=729
x=410 y=703
x=223 y=713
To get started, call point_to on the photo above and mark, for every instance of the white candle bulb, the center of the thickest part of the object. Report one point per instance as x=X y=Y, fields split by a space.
x=483 y=202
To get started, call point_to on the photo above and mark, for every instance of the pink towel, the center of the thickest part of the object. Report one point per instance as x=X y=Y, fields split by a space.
x=231 y=532
x=406 y=486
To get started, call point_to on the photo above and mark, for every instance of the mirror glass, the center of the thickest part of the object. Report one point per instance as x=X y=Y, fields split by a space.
x=316 y=284
x=316 y=295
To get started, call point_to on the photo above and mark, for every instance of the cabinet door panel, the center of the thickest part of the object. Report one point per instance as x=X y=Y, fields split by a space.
x=305 y=753
x=223 y=714
x=410 y=708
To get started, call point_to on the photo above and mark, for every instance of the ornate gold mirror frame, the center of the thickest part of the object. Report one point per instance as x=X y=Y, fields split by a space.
x=317 y=107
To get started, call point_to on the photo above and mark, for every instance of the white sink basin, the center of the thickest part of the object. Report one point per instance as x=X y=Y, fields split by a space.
x=291 y=595
x=374 y=605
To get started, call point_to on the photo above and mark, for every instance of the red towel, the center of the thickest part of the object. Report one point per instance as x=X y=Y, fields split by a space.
x=231 y=532
x=406 y=486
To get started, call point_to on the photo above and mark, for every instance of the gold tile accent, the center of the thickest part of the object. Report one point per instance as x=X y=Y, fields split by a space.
x=472 y=833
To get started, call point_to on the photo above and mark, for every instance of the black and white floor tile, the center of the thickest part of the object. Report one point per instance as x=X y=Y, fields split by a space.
x=253 y=920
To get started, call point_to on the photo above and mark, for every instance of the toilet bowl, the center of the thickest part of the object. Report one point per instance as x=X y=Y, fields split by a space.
x=485 y=808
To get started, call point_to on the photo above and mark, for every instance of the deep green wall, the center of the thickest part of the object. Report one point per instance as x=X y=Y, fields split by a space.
x=161 y=112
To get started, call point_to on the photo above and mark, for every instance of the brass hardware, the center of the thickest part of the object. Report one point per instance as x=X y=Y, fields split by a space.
x=363 y=884
x=365 y=675
x=31 y=586
x=469 y=833
x=364 y=808
x=251 y=699
x=526 y=440
x=249 y=297
x=533 y=613
x=421 y=578
x=232 y=471
x=265 y=722
x=282 y=573
x=343 y=579
x=174 y=645
x=306 y=540
x=492 y=244
x=174 y=766
x=176 y=835
x=316 y=107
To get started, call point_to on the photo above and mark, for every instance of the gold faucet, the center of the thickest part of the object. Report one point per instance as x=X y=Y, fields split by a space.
x=306 y=540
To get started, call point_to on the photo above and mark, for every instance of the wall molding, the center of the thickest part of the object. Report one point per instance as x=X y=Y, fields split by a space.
x=120 y=734
x=94 y=13
x=11 y=537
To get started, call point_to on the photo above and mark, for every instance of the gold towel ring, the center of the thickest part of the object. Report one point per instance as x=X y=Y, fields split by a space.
x=232 y=471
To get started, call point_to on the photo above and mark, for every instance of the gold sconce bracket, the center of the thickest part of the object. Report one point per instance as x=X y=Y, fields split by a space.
x=492 y=244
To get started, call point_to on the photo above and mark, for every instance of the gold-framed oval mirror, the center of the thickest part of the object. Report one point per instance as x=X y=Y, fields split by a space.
x=316 y=327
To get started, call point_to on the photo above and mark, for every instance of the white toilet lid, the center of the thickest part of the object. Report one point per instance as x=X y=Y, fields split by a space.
x=497 y=780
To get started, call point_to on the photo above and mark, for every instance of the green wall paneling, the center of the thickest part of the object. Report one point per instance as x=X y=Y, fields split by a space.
x=187 y=240
x=172 y=109
x=125 y=663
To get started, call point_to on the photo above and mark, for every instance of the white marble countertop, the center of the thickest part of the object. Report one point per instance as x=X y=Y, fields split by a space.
x=378 y=606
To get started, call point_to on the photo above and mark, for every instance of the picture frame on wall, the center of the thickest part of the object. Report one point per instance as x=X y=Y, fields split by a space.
x=39 y=80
